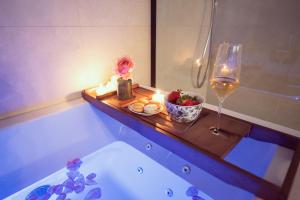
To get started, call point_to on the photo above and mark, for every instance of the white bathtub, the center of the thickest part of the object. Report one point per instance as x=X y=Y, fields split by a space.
x=122 y=173
x=40 y=147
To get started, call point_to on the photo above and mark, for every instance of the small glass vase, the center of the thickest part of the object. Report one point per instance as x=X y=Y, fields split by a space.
x=124 y=90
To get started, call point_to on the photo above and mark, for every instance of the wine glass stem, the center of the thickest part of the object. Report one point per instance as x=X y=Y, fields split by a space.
x=219 y=115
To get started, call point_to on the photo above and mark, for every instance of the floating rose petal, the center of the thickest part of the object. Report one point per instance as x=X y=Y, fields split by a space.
x=93 y=194
x=197 y=198
x=74 y=164
x=192 y=191
x=90 y=182
x=39 y=193
x=50 y=190
x=32 y=197
x=75 y=183
x=68 y=186
x=79 y=188
x=58 y=189
x=68 y=183
x=91 y=176
x=61 y=197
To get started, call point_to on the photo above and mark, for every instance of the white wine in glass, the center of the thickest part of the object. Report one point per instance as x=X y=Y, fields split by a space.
x=225 y=77
x=224 y=86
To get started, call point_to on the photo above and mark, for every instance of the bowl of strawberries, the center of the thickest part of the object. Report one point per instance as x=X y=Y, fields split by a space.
x=183 y=106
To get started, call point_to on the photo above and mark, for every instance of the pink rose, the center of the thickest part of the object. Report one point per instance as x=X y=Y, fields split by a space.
x=124 y=67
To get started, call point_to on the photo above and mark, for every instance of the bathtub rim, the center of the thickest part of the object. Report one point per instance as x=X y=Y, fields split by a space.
x=40 y=113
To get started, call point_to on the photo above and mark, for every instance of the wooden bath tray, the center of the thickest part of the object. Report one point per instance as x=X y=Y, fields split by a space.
x=195 y=133
x=211 y=148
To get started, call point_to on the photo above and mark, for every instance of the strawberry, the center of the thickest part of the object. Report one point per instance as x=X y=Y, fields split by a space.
x=179 y=98
x=174 y=96
x=187 y=102
x=196 y=103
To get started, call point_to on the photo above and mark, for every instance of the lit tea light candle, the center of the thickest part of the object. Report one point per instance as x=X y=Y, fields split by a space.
x=225 y=70
x=158 y=97
x=100 y=90
x=108 y=87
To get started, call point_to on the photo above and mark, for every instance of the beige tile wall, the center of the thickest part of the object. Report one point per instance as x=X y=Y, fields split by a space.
x=52 y=49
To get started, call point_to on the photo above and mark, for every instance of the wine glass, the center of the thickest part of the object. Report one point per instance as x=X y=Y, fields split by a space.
x=225 y=77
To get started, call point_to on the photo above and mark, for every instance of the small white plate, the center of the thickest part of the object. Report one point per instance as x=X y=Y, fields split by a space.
x=143 y=113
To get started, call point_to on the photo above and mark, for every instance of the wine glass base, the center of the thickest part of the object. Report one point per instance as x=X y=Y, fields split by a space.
x=214 y=130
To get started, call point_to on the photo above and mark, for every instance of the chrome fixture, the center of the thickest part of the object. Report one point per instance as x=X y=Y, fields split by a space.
x=169 y=192
x=148 y=146
x=140 y=170
x=186 y=169
x=199 y=61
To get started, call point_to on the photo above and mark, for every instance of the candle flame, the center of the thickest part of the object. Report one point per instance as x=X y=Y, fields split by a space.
x=158 y=97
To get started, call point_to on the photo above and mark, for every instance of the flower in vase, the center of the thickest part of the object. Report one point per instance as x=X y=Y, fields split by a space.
x=124 y=67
